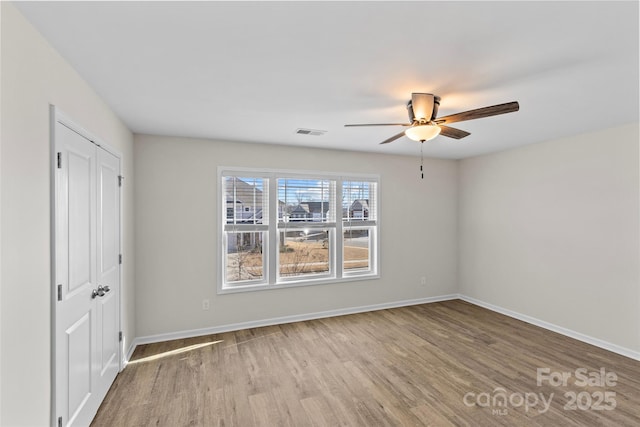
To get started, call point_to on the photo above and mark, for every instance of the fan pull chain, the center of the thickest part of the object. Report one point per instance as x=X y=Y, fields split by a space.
x=421 y=159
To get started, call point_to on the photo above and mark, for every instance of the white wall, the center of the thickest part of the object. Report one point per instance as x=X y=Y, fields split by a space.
x=551 y=231
x=33 y=76
x=176 y=233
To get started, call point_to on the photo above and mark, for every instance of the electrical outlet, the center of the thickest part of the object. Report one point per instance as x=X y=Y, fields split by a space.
x=205 y=304
x=423 y=281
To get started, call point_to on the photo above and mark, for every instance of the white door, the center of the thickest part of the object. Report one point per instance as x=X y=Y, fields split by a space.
x=87 y=276
x=108 y=269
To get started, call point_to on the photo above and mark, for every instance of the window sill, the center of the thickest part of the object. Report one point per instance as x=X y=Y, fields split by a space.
x=284 y=285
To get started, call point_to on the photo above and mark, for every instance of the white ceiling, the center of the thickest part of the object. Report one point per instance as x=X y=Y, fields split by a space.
x=257 y=71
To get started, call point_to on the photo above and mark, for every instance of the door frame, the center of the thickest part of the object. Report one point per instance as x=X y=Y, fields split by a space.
x=57 y=116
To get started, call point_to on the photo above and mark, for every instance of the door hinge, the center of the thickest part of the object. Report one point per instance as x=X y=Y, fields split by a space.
x=59 y=292
x=120 y=336
x=120 y=179
x=59 y=160
x=59 y=421
x=120 y=258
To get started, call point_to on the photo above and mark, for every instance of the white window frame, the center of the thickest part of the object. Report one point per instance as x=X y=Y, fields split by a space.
x=271 y=278
x=246 y=228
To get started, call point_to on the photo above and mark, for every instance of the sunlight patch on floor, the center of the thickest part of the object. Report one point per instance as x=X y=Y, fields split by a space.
x=173 y=352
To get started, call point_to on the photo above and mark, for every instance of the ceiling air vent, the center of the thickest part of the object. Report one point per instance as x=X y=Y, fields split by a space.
x=310 y=132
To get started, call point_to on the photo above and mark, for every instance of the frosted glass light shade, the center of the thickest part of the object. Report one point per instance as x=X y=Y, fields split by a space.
x=423 y=132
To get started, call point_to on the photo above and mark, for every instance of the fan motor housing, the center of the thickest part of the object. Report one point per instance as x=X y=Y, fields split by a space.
x=434 y=114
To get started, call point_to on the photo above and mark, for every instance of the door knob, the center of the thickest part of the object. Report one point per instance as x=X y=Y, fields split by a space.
x=100 y=291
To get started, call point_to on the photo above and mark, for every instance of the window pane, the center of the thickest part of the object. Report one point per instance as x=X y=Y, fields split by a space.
x=244 y=260
x=358 y=200
x=304 y=252
x=356 y=250
x=246 y=200
x=305 y=200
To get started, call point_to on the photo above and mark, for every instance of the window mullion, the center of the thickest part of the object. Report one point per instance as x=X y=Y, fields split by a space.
x=337 y=259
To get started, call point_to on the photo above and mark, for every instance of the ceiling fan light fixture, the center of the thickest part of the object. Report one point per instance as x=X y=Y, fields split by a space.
x=423 y=132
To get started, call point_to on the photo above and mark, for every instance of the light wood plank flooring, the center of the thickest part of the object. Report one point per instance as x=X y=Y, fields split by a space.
x=410 y=366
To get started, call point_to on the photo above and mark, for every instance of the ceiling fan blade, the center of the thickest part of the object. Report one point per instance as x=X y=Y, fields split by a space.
x=393 y=138
x=453 y=132
x=379 y=124
x=422 y=104
x=479 y=113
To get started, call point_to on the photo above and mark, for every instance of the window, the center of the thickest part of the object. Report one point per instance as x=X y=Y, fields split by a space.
x=359 y=216
x=245 y=228
x=281 y=229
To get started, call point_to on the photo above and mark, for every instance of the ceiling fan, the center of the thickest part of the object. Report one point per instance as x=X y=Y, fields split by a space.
x=424 y=125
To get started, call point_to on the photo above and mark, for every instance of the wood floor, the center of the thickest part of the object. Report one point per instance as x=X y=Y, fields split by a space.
x=438 y=364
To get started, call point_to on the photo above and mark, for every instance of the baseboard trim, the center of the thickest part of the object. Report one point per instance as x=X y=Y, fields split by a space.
x=281 y=320
x=555 y=328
